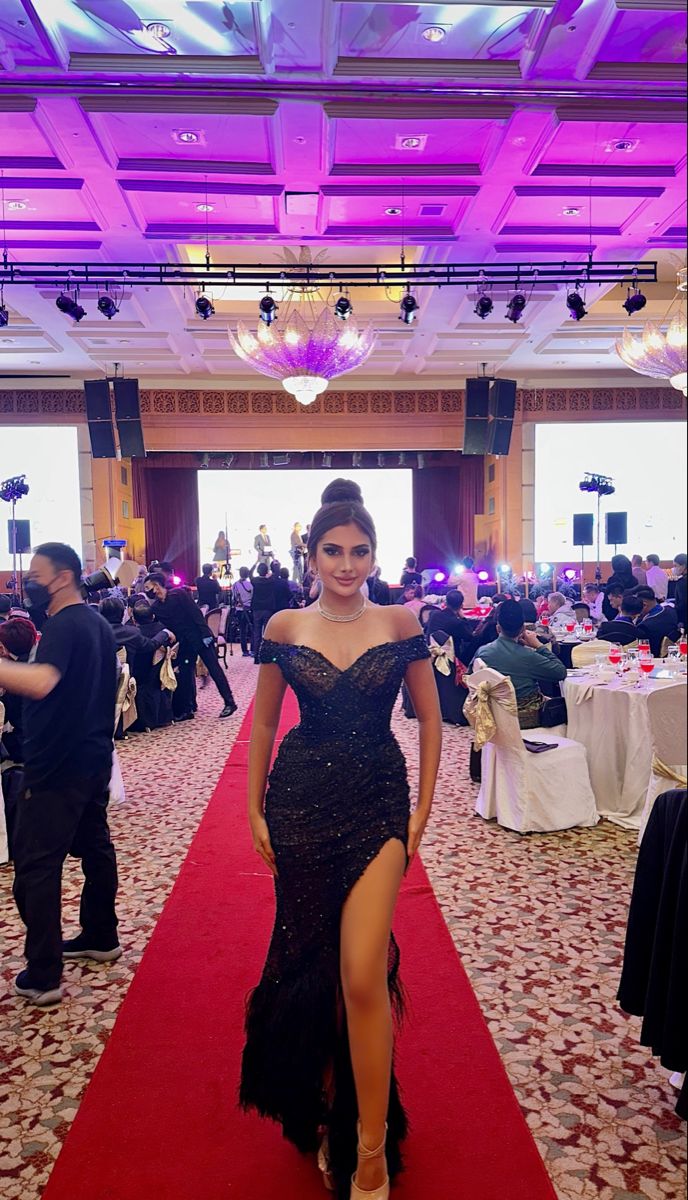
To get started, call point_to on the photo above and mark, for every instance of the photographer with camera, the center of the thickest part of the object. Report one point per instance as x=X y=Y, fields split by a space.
x=69 y=690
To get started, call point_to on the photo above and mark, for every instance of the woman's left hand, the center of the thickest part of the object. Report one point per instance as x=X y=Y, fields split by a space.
x=416 y=829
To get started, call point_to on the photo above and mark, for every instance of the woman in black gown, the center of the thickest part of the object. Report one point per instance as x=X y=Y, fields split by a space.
x=334 y=825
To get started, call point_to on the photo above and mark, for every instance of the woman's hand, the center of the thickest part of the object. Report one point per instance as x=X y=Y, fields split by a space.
x=261 y=841
x=416 y=829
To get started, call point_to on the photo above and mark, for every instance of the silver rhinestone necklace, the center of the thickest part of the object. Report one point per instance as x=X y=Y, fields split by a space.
x=341 y=619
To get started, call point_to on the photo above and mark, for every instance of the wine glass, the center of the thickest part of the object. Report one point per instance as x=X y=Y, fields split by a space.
x=545 y=620
x=570 y=625
x=587 y=627
x=647 y=665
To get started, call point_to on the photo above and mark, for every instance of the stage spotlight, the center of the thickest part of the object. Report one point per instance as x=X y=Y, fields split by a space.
x=515 y=307
x=71 y=308
x=576 y=306
x=439 y=577
x=504 y=569
x=205 y=308
x=483 y=307
x=634 y=302
x=483 y=576
x=570 y=573
x=4 y=317
x=459 y=569
x=408 y=309
x=268 y=310
x=343 y=308
x=107 y=307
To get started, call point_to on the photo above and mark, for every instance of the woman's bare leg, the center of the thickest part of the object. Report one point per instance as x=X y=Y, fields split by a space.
x=365 y=933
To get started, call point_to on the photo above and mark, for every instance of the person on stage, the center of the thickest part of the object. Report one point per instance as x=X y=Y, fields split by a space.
x=298 y=554
x=336 y=830
x=221 y=549
x=263 y=546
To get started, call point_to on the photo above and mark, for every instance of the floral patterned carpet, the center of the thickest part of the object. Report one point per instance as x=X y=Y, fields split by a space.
x=539 y=922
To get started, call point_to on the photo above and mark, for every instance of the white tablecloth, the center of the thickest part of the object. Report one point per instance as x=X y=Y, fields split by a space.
x=614 y=727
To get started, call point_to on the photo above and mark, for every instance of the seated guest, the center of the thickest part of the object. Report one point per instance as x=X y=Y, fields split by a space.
x=656 y=578
x=622 y=630
x=593 y=598
x=622 y=576
x=208 y=588
x=452 y=621
x=582 y=611
x=560 y=611
x=518 y=654
x=639 y=574
x=413 y=598
x=5 y=607
x=612 y=601
x=410 y=573
x=130 y=636
x=681 y=595
x=529 y=611
x=655 y=622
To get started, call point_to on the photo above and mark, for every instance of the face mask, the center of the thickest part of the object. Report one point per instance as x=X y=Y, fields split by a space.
x=151 y=596
x=37 y=594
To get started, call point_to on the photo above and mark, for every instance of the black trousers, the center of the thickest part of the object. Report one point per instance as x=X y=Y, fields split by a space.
x=52 y=822
x=208 y=655
x=260 y=620
x=245 y=628
x=184 y=696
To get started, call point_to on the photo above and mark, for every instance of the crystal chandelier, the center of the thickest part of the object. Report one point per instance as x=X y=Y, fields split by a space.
x=660 y=355
x=304 y=356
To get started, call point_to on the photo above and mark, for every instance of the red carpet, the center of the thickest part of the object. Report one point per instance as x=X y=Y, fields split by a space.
x=159 y=1121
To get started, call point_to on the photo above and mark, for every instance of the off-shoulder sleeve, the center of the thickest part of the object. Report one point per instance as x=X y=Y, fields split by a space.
x=270 y=652
x=413 y=649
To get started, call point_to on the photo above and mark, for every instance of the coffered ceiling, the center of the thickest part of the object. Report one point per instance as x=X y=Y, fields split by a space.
x=473 y=132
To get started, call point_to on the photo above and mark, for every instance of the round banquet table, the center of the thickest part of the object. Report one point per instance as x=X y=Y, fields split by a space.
x=612 y=723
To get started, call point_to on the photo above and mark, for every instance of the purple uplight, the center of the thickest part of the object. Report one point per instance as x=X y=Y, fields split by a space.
x=439 y=577
x=483 y=576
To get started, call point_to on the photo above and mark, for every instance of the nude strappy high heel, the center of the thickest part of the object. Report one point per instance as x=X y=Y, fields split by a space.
x=379 y=1193
x=324 y=1164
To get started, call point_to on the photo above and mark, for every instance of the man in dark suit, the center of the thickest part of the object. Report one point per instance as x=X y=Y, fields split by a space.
x=655 y=623
x=623 y=630
x=681 y=594
x=263 y=604
x=450 y=619
x=177 y=611
x=378 y=590
x=263 y=546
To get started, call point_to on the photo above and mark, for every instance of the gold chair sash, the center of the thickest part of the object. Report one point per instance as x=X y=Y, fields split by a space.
x=478 y=708
x=443 y=657
x=129 y=712
x=664 y=772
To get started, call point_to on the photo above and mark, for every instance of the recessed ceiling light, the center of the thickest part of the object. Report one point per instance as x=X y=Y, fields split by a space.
x=622 y=145
x=300 y=141
x=393 y=212
x=188 y=137
x=434 y=33
x=571 y=212
x=411 y=143
x=158 y=29
x=475 y=343
x=16 y=205
x=205 y=208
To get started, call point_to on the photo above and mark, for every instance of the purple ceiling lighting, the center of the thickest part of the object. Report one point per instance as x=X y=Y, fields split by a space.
x=486 y=131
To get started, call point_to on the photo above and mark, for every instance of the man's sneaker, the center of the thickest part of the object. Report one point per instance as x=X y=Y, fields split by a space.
x=42 y=996
x=229 y=710
x=82 y=947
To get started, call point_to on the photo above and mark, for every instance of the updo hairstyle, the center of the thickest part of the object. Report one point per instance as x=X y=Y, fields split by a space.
x=342 y=504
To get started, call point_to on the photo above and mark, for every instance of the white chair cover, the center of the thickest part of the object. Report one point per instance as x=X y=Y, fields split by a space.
x=668 y=726
x=530 y=793
x=585 y=653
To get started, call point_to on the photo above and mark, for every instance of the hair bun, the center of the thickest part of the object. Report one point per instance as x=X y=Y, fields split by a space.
x=342 y=491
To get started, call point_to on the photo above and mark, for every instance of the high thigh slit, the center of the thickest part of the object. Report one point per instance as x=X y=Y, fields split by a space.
x=338 y=792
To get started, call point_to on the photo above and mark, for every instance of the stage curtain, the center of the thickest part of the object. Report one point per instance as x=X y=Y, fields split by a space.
x=167 y=499
x=445 y=502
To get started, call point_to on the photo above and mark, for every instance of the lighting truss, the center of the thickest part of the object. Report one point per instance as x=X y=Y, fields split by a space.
x=323 y=276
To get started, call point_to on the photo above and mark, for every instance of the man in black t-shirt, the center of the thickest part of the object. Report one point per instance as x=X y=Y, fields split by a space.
x=69 y=715
x=208 y=589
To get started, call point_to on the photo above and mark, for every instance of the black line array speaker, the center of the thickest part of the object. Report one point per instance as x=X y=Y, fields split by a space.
x=23 y=537
x=490 y=408
x=128 y=417
x=99 y=417
x=583 y=524
x=477 y=416
x=616 y=528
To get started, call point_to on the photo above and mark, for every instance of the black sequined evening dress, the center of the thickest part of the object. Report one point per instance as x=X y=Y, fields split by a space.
x=337 y=793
